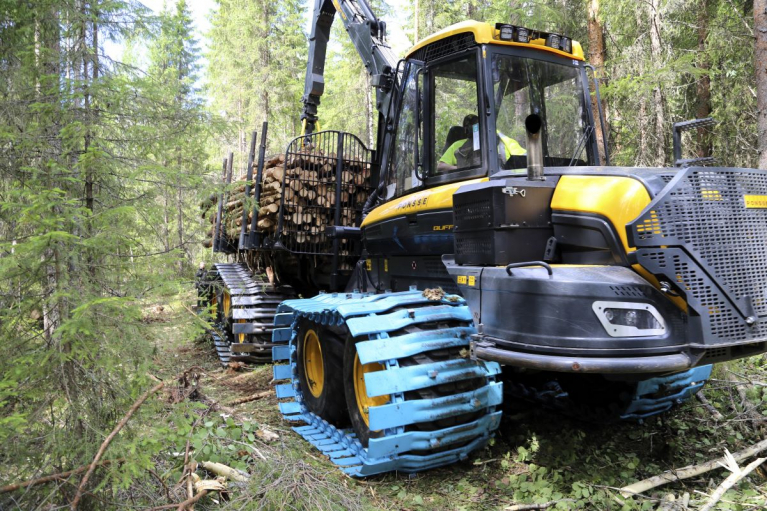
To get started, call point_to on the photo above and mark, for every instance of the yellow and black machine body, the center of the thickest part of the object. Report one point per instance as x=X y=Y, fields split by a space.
x=603 y=292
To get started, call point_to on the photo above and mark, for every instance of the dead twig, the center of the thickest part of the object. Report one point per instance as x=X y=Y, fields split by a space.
x=190 y=469
x=108 y=440
x=54 y=477
x=165 y=486
x=256 y=452
x=252 y=397
x=748 y=407
x=708 y=406
x=671 y=476
x=182 y=505
x=736 y=475
x=530 y=507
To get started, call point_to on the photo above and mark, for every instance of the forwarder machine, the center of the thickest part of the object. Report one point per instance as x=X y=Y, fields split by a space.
x=491 y=237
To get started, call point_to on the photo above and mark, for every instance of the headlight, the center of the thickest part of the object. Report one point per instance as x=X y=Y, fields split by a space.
x=627 y=319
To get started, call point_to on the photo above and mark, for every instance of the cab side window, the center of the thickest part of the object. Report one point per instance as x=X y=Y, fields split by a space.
x=402 y=176
x=456 y=141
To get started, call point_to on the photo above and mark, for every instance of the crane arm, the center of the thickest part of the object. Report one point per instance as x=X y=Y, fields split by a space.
x=368 y=34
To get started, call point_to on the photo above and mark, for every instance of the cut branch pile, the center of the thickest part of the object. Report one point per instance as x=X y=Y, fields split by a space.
x=308 y=183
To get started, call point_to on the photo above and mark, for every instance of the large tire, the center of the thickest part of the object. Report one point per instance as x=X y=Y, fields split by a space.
x=354 y=392
x=354 y=386
x=424 y=405
x=320 y=369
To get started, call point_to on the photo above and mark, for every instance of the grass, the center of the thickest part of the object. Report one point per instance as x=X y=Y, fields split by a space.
x=537 y=456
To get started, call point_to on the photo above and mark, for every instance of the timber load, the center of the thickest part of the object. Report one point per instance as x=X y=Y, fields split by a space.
x=305 y=186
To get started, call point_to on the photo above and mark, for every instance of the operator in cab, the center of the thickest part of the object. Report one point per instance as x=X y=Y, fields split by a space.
x=459 y=154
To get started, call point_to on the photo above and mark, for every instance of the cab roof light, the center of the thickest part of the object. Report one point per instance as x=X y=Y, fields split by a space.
x=522 y=35
x=505 y=32
x=566 y=44
x=552 y=41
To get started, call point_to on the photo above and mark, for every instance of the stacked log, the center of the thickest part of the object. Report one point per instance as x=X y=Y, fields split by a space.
x=307 y=181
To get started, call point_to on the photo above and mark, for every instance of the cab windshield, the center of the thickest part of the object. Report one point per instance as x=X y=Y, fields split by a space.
x=522 y=86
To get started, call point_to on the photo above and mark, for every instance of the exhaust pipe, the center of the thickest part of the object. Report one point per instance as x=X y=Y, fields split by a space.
x=533 y=125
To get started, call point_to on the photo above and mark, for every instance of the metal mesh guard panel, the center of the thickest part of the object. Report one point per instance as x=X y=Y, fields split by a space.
x=324 y=172
x=713 y=215
x=437 y=50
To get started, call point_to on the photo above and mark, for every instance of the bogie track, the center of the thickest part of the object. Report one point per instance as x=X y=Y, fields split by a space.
x=414 y=398
x=246 y=305
x=594 y=398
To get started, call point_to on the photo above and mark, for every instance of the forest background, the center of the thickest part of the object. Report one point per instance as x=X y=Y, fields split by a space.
x=103 y=163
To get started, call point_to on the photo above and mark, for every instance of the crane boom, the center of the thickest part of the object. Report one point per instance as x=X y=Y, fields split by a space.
x=367 y=33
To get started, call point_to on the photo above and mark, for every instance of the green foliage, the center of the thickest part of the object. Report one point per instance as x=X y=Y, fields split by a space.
x=98 y=187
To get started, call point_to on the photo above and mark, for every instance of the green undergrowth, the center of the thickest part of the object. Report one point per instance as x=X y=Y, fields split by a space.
x=536 y=457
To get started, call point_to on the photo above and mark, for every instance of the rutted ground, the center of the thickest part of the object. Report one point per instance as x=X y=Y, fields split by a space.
x=536 y=457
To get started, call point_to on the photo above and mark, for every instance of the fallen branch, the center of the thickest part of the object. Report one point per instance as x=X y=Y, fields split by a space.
x=222 y=470
x=674 y=475
x=749 y=410
x=253 y=397
x=108 y=440
x=708 y=406
x=53 y=477
x=531 y=507
x=182 y=505
x=736 y=475
x=189 y=483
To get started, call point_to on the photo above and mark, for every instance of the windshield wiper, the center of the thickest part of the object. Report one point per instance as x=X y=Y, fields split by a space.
x=581 y=144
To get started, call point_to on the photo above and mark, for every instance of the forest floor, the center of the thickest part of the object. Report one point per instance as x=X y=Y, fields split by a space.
x=537 y=456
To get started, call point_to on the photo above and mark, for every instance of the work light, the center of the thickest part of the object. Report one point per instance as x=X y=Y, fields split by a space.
x=552 y=41
x=628 y=319
x=566 y=44
x=506 y=31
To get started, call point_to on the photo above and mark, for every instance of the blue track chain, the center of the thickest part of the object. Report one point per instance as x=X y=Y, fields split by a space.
x=657 y=395
x=648 y=398
x=372 y=317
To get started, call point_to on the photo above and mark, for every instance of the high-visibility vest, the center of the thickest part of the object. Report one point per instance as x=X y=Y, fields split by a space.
x=507 y=144
x=511 y=146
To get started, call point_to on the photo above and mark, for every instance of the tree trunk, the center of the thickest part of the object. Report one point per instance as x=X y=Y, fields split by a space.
x=265 y=59
x=658 y=98
x=760 y=65
x=165 y=223
x=703 y=86
x=415 y=37
x=180 y=207
x=597 y=59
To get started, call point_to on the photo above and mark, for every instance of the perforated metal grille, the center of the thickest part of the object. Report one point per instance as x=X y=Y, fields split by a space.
x=628 y=291
x=469 y=244
x=475 y=210
x=724 y=235
x=326 y=177
x=453 y=44
x=716 y=353
x=667 y=177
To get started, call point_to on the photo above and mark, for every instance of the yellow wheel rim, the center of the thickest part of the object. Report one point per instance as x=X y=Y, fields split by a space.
x=314 y=368
x=241 y=337
x=227 y=304
x=213 y=306
x=364 y=403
